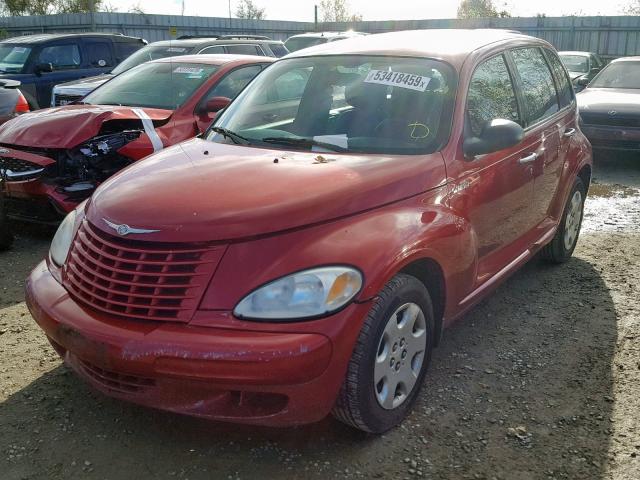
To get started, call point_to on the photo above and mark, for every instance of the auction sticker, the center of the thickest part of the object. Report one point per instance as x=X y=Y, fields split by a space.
x=398 y=79
x=189 y=70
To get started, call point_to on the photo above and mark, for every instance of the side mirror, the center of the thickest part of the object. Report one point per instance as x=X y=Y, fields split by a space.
x=215 y=104
x=582 y=81
x=595 y=70
x=44 y=68
x=496 y=135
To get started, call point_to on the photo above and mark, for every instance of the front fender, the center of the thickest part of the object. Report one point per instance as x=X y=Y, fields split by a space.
x=380 y=243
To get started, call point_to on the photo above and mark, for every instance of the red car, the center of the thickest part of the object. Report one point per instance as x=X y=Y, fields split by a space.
x=53 y=159
x=306 y=254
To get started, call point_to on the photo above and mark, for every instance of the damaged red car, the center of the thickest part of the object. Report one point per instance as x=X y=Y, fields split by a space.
x=305 y=255
x=53 y=159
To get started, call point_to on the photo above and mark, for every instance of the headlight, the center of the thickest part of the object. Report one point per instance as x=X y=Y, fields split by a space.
x=310 y=293
x=61 y=242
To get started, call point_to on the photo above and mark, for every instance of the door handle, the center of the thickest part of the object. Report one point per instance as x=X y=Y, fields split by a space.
x=529 y=158
x=569 y=133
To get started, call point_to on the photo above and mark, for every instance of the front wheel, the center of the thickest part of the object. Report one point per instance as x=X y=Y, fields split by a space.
x=390 y=358
x=560 y=249
x=6 y=237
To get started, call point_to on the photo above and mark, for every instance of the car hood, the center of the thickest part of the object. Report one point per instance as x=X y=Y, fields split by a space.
x=82 y=86
x=68 y=126
x=597 y=100
x=234 y=192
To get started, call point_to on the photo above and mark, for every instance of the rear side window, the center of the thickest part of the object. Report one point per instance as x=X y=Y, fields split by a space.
x=213 y=49
x=491 y=95
x=565 y=91
x=61 y=57
x=245 y=50
x=538 y=89
x=99 y=54
x=278 y=49
x=124 y=49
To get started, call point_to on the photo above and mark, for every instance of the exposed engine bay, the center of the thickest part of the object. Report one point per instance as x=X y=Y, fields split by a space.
x=82 y=169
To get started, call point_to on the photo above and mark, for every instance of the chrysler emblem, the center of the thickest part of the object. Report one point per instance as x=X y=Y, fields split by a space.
x=612 y=112
x=125 y=229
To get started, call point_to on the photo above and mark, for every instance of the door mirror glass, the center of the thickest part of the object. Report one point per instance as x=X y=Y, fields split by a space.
x=216 y=104
x=496 y=135
x=44 y=68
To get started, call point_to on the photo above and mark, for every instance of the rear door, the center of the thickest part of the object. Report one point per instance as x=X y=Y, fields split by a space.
x=544 y=122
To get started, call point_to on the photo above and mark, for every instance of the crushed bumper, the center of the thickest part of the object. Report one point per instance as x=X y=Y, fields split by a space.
x=269 y=378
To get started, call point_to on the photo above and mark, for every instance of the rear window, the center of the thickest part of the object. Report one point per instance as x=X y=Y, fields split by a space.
x=124 y=49
x=153 y=85
x=298 y=43
x=150 y=53
x=13 y=58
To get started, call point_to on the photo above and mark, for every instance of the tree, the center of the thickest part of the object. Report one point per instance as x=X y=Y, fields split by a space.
x=480 y=9
x=247 y=9
x=633 y=8
x=337 y=11
x=47 y=7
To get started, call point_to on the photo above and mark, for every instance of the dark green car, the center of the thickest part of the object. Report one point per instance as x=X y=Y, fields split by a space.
x=582 y=67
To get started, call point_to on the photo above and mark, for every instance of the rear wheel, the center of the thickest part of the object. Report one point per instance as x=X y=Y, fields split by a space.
x=390 y=358
x=560 y=249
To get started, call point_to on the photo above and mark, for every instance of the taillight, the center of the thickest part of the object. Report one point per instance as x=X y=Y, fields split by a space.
x=22 y=106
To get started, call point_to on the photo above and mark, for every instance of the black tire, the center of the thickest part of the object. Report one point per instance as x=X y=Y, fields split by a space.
x=357 y=404
x=6 y=236
x=556 y=251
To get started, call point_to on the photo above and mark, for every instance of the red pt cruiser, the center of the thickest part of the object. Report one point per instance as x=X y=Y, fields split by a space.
x=305 y=255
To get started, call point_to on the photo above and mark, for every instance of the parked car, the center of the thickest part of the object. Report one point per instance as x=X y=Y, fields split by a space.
x=41 y=61
x=582 y=66
x=69 y=92
x=53 y=159
x=305 y=40
x=610 y=106
x=12 y=101
x=306 y=253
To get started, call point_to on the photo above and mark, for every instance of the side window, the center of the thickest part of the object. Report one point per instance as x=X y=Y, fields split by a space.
x=99 y=54
x=233 y=82
x=538 y=89
x=124 y=49
x=244 y=49
x=62 y=57
x=565 y=94
x=278 y=49
x=290 y=86
x=213 y=49
x=491 y=95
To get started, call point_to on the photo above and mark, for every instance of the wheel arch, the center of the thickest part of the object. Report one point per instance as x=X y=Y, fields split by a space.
x=430 y=273
x=585 y=175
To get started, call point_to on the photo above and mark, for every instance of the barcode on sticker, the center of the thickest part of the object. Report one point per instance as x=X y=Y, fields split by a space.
x=189 y=70
x=398 y=79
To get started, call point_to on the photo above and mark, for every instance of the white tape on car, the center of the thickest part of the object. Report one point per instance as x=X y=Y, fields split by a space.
x=147 y=123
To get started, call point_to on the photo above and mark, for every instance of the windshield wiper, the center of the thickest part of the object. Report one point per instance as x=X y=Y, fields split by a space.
x=231 y=135
x=304 y=142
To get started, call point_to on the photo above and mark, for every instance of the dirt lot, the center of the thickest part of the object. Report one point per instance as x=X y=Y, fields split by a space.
x=542 y=380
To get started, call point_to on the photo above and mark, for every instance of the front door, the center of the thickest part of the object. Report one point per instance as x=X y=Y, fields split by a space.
x=494 y=191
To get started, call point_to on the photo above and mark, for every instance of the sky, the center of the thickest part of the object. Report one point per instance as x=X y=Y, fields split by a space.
x=302 y=10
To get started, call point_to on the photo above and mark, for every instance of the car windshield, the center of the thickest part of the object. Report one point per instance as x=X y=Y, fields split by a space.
x=298 y=43
x=576 y=63
x=13 y=58
x=346 y=103
x=154 y=85
x=618 y=75
x=148 y=53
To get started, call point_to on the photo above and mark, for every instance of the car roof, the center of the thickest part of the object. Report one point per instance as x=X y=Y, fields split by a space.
x=47 y=37
x=579 y=54
x=215 y=59
x=451 y=45
x=195 y=42
x=348 y=33
x=626 y=59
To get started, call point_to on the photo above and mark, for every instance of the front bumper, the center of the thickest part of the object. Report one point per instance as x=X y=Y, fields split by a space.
x=612 y=137
x=273 y=378
x=34 y=201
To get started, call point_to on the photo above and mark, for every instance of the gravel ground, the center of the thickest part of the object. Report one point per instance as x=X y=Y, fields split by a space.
x=541 y=380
